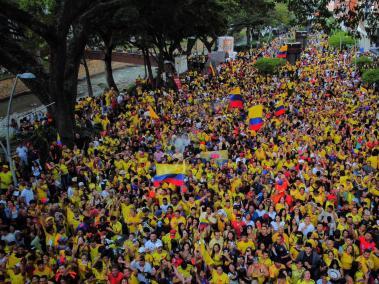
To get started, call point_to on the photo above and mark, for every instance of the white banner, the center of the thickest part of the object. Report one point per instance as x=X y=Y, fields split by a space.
x=181 y=64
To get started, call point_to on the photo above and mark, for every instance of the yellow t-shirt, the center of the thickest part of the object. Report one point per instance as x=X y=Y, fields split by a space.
x=219 y=279
x=15 y=278
x=6 y=179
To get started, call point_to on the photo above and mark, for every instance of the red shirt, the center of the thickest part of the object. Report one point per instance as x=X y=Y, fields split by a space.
x=363 y=244
x=115 y=280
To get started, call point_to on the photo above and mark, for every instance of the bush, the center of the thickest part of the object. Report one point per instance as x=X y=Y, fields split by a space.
x=371 y=76
x=363 y=61
x=268 y=66
x=341 y=39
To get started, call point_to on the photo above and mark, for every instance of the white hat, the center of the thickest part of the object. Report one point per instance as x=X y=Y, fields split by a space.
x=80 y=184
x=141 y=250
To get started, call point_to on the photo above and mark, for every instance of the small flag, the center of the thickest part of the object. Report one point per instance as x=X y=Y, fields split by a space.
x=59 y=142
x=236 y=100
x=153 y=114
x=212 y=70
x=282 y=52
x=178 y=83
x=255 y=117
x=279 y=110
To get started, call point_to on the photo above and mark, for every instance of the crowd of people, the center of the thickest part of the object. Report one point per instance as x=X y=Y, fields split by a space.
x=294 y=202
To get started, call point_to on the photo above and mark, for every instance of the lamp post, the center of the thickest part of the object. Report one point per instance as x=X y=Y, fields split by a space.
x=25 y=76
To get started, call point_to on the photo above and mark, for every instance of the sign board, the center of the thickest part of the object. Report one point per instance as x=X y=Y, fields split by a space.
x=226 y=44
x=181 y=64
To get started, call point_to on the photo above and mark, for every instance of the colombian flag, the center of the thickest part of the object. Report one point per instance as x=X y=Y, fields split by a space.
x=282 y=52
x=169 y=173
x=255 y=117
x=236 y=100
x=279 y=110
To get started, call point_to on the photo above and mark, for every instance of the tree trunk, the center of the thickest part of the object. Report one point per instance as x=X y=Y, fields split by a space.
x=88 y=77
x=63 y=109
x=190 y=44
x=208 y=44
x=108 y=68
x=248 y=36
x=146 y=56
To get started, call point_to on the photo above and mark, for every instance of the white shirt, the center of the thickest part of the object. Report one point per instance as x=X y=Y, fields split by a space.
x=28 y=195
x=22 y=151
x=151 y=246
x=306 y=229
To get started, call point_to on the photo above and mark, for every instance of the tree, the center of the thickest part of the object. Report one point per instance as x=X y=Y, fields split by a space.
x=63 y=28
x=282 y=16
x=352 y=14
x=341 y=40
x=363 y=62
x=251 y=15
x=269 y=66
x=163 y=25
x=371 y=76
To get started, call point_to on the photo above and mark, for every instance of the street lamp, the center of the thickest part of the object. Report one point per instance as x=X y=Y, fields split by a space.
x=26 y=76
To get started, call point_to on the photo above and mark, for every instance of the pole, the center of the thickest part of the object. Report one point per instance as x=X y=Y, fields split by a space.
x=356 y=53
x=10 y=161
x=4 y=149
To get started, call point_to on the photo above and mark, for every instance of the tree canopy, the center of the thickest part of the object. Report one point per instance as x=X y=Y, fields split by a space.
x=268 y=66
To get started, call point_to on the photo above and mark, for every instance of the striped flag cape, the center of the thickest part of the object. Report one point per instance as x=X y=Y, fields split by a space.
x=279 y=109
x=255 y=117
x=236 y=100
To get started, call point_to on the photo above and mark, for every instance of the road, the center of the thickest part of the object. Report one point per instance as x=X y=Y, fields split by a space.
x=123 y=77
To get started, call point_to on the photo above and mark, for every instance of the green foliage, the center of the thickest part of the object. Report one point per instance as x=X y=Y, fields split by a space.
x=282 y=16
x=371 y=76
x=341 y=39
x=363 y=61
x=268 y=66
x=252 y=14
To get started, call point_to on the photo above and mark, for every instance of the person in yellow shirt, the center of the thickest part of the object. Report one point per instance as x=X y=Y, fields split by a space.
x=5 y=178
x=219 y=276
x=245 y=243
x=15 y=275
x=42 y=270
x=306 y=278
x=158 y=255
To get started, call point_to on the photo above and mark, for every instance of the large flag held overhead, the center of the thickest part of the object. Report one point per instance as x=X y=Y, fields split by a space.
x=282 y=52
x=279 y=109
x=236 y=100
x=169 y=173
x=255 y=117
x=152 y=113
